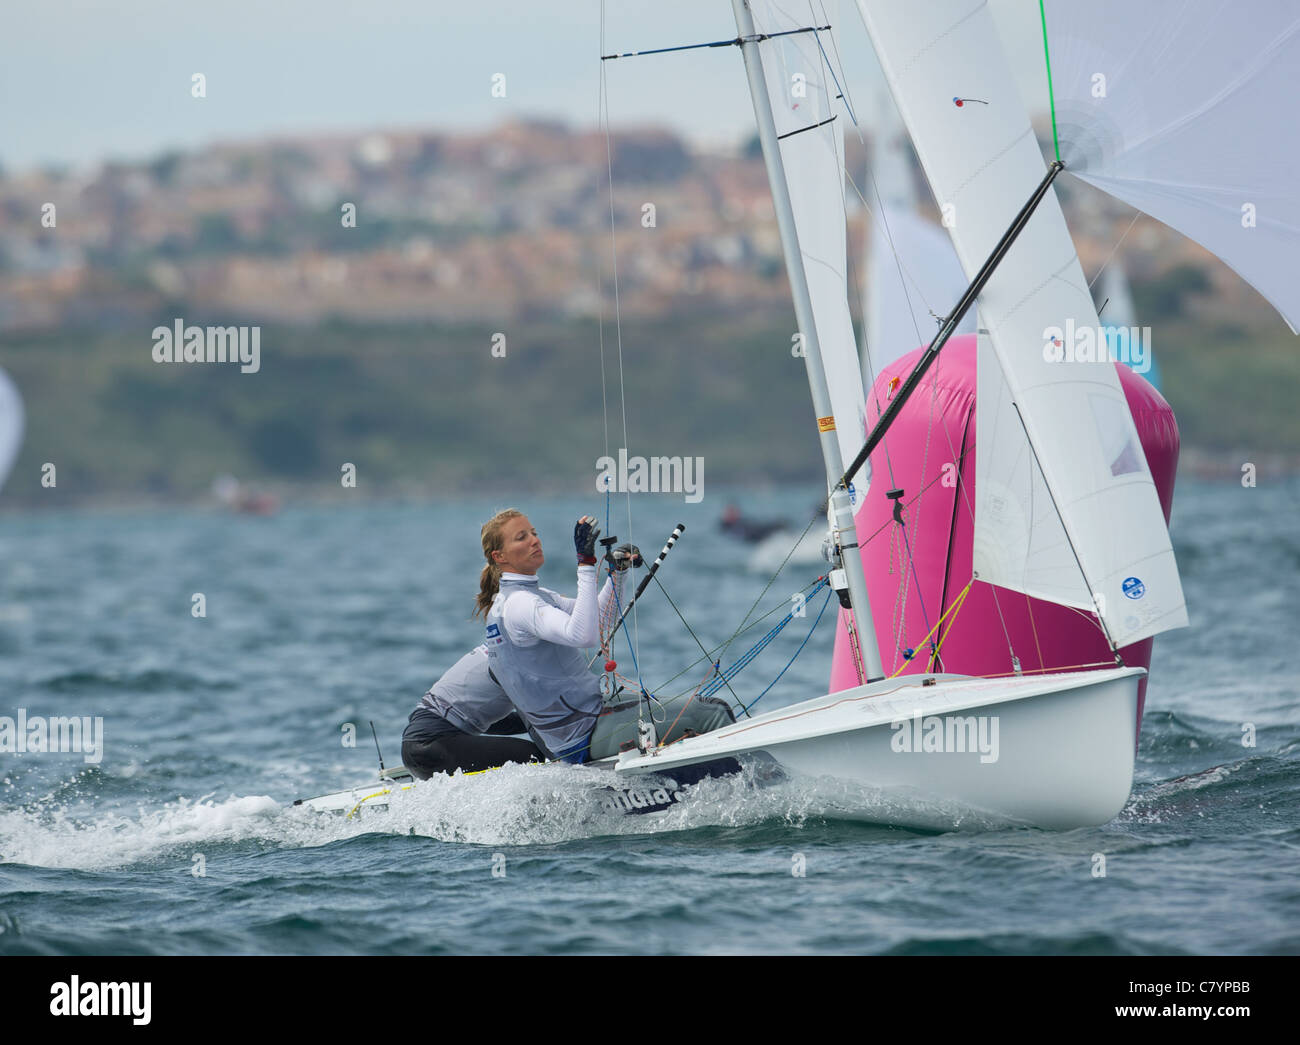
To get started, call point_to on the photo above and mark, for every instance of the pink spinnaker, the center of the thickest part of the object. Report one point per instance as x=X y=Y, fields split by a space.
x=931 y=443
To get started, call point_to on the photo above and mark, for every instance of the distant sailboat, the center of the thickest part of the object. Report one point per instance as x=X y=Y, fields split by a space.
x=913 y=275
x=1129 y=343
x=12 y=423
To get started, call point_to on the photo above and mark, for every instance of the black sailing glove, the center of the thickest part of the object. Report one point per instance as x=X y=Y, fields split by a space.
x=584 y=540
x=626 y=555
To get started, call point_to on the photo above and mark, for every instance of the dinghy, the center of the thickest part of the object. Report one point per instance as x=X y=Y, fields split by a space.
x=1066 y=509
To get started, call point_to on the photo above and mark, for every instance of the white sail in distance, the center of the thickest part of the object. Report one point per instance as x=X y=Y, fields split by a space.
x=1184 y=109
x=912 y=273
x=12 y=420
x=952 y=83
x=802 y=92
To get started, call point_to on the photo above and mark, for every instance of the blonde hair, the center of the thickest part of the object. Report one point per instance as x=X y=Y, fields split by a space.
x=489 y=581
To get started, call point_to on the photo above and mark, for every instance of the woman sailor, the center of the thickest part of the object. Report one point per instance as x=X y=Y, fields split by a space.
x=442 y=734
x=535 y=636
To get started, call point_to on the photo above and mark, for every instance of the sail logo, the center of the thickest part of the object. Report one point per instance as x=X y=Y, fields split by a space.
x=194 y=344
x=494 y=634
x=1101 y=344
x=1134 y=588
x=947 y=734
x=74 y=998
x=38 y=735
x=684 y=475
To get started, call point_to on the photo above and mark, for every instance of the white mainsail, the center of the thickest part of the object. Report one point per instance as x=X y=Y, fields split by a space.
x=1185 y=110
x=802 y=92
x=952 y=83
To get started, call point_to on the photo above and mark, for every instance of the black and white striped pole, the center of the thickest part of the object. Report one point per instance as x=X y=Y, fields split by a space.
x=668 y=546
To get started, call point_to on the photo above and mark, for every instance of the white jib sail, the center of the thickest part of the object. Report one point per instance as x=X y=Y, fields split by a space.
x=802 y=91
x=912 y=273
x=1185 y=109
x=945 y=65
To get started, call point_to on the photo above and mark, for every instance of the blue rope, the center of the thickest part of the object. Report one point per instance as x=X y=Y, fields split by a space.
x=726 y=676
x=911 y=565
x=825 y=603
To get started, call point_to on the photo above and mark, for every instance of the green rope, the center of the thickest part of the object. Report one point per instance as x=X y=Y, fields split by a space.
x=1051 y=97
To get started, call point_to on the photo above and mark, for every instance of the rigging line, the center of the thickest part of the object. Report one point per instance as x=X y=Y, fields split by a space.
x=953 y=609
x=600 y=287
x=694 y=636
x=843 y=95
x=970 y=508
x=951 y=323
x=1113 y=249
x=754 y=624
x=750 y=654
x=735 y=41
x=997 y=605
x=902 y=273
x=1029 y=605
x=956 y=504
x=827 y=65
x=1069 y=540
x=772 y=579
x=905 y=274
x=634 y=639
x=843 y=88
x=1051 y=95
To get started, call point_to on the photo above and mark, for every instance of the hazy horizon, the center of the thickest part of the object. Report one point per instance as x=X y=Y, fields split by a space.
x=87 y=85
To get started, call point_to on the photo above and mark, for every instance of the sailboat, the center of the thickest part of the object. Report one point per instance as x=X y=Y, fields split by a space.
x=1066 y=509
x=12 y=421
x=1061 y=469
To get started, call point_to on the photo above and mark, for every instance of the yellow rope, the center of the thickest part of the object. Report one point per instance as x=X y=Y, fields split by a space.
x=956 y=604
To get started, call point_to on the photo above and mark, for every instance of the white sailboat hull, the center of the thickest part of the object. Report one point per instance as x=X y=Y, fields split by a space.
x=1052 y=751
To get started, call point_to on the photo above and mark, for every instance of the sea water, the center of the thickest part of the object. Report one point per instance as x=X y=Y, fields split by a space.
x=217 y=712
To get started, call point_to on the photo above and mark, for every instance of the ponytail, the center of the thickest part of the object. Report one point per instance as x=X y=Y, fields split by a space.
x=489 y=581
x=489 y=584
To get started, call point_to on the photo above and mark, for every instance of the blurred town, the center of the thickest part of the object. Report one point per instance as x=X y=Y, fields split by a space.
x=403 y=241
x=448 y=227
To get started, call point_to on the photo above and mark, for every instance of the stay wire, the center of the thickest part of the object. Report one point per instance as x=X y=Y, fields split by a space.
x=696 y=638
x=634 y=639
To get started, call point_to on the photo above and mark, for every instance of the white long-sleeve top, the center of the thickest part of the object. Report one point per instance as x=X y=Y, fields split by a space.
x=529 y=619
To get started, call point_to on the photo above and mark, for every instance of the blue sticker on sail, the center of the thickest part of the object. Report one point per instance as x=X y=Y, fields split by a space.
x=853 y=494
x=1134 y=588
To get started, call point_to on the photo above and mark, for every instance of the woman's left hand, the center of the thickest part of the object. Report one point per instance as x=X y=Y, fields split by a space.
x=585 y=533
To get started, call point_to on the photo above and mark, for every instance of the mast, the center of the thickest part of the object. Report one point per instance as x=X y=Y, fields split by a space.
x=841 y=509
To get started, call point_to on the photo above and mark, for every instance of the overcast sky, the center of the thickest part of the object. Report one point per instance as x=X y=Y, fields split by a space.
x=82 y=80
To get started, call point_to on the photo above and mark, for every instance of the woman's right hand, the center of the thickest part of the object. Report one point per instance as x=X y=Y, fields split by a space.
x=585 y=533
